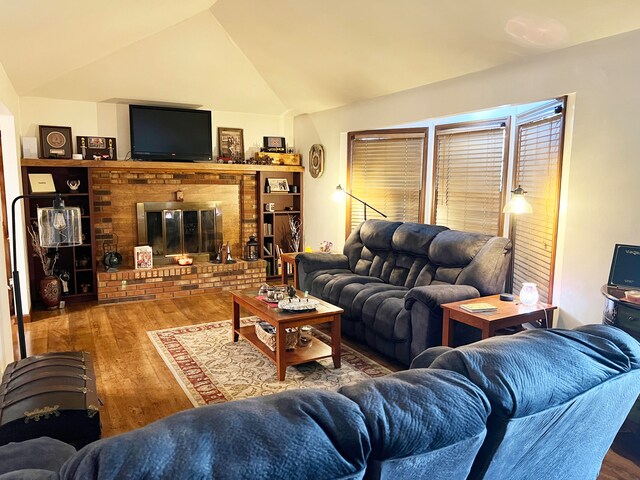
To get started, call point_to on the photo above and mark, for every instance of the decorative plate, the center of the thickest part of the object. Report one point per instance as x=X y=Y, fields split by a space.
x=316 y=160
x=297 y=304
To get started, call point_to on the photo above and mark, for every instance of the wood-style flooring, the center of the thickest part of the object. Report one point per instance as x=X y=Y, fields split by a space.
x=133 y=381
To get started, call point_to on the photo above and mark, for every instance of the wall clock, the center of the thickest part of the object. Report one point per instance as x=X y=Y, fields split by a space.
x=316 y=160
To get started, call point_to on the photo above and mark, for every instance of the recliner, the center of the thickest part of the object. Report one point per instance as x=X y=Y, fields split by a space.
x=393 y=276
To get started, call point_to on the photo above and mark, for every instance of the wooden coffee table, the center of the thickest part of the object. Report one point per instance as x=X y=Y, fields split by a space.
x=281 y=320
x=508 y=314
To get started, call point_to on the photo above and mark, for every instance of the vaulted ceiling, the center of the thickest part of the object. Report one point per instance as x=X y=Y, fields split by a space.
x=274 y=56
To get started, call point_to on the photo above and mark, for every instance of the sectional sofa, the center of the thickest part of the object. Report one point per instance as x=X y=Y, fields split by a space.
x=393 y=277
x=540 y=404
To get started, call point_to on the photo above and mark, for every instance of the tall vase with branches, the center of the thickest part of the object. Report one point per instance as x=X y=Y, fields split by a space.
x=50 y=285
x=294 y=233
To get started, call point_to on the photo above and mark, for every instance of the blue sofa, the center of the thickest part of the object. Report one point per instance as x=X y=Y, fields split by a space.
x=538 y=404
x=393 y=277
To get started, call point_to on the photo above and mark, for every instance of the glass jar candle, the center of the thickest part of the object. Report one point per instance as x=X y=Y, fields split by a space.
x=529 y=294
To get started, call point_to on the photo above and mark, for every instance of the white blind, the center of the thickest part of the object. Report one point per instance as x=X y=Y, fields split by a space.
x=468 y=178
x=386 y=172
x=537 y=169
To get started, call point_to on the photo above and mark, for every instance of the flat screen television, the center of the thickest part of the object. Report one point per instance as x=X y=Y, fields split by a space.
x=177 y=134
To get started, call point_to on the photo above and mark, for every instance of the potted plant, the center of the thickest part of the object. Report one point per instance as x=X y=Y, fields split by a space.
x=50 y=286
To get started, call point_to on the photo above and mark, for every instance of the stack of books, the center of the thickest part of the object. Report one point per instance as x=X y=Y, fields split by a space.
x=478 y=307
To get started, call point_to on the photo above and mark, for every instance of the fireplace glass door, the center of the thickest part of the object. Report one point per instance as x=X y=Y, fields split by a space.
x=176 y=228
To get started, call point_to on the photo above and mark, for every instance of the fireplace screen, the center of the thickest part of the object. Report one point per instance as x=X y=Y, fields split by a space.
x=180 y=228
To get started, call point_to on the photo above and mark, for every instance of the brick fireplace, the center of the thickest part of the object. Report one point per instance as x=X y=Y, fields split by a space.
x=115 y=195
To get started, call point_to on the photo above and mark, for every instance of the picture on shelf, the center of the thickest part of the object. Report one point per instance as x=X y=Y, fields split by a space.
x=143 y=257
x=231 y=143
x=96 y=148
x=278 y=184
x=41 y=183
x=55 y=142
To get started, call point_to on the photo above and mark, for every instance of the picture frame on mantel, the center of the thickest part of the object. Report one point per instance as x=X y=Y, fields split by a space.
x=231 y=143
x=55 y=142
x=96 y=148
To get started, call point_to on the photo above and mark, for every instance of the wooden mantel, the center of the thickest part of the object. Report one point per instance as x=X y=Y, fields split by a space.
x=160 y=166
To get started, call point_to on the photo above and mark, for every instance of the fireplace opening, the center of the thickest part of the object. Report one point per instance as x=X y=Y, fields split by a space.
x=173 y=229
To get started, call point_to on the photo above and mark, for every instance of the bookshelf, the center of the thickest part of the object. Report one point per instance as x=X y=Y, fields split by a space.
x=274 y=233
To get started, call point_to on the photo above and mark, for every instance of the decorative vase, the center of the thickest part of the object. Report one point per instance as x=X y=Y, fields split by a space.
x=50 y=292
x=529 y=294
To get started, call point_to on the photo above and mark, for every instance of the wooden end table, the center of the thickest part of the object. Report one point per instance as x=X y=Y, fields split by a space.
x=290 y=259
x=509 y=314
x=281 y=320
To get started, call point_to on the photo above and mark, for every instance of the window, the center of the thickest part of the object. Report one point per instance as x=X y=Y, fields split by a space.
x=386 y=170
x=470 y=166
x=538 y=164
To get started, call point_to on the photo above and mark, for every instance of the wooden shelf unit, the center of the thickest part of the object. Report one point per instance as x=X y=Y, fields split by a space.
x=69 y=257
x=273 y=227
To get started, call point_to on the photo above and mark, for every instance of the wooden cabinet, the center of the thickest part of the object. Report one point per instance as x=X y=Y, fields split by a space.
x=78 y=261
x=274 y=232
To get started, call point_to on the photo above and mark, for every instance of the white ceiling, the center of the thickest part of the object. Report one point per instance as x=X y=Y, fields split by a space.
x=274 y=56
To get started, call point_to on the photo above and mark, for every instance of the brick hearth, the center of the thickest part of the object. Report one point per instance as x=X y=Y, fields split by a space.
x=172 y=281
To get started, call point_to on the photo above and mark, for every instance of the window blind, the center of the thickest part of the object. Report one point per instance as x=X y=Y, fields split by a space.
x=386 y=171
x=537 y=168
x=470 y=162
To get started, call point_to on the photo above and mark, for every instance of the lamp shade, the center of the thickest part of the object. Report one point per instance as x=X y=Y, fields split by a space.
x=517 y=204
x=59 y=226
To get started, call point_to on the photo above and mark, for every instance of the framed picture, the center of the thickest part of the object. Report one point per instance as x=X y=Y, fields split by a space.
x=274 y=144
x=96 y=148
x=142 y=257
x=41 y=183
x=55 y=142
x=625 y=266
x=278 y=184
x=231 y=143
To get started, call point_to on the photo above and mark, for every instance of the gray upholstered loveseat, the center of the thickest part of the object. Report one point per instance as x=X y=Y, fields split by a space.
x=393 y=277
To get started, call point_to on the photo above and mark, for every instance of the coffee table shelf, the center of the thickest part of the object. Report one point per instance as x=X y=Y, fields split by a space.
x=317 y=350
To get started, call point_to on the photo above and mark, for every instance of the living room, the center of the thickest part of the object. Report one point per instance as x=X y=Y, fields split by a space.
x=304 y=99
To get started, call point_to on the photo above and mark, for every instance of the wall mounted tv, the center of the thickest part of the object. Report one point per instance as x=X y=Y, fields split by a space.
x=177 y=134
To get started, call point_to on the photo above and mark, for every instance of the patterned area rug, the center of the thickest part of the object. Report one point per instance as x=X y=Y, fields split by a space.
x=212 y=369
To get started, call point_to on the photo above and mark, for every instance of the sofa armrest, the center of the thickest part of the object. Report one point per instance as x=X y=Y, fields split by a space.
x=426 y=358
x=311 y=262
x=435 y=295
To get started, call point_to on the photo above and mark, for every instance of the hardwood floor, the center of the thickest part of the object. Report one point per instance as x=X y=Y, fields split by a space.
x=134 y=383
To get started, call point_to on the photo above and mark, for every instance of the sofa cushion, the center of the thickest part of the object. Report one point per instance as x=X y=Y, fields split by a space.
x=498 y=363
x=558 y=398
x=413 y=416
x=354 y=295
x=415 y=238
x=452 y=248
x=37 y=458
x=313 y=434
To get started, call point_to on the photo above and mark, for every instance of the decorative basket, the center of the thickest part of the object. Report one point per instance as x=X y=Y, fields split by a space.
x=267 y=335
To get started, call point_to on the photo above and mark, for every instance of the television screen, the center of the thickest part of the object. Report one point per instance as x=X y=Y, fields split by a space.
x=159 y=133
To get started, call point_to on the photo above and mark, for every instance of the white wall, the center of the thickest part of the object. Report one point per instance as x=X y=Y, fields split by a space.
x=600 y=201
x=112 y=120
x=9 y=117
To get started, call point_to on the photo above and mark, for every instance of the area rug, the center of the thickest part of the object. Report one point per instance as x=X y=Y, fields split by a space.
x=212 y=369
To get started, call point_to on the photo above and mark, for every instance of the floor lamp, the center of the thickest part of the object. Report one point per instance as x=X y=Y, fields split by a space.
x=58 y=226
x=516 y=206
x=339 y=189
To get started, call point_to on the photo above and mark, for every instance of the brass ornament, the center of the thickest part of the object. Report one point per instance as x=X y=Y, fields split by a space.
x=316 y=160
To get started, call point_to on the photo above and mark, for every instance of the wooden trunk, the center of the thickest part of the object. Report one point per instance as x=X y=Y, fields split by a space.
x=53 y=395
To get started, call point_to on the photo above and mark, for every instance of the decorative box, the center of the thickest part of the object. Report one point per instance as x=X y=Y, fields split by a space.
x=267 y=335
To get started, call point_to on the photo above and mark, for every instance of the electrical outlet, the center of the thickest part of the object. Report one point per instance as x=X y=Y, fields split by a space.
x=124 y=284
